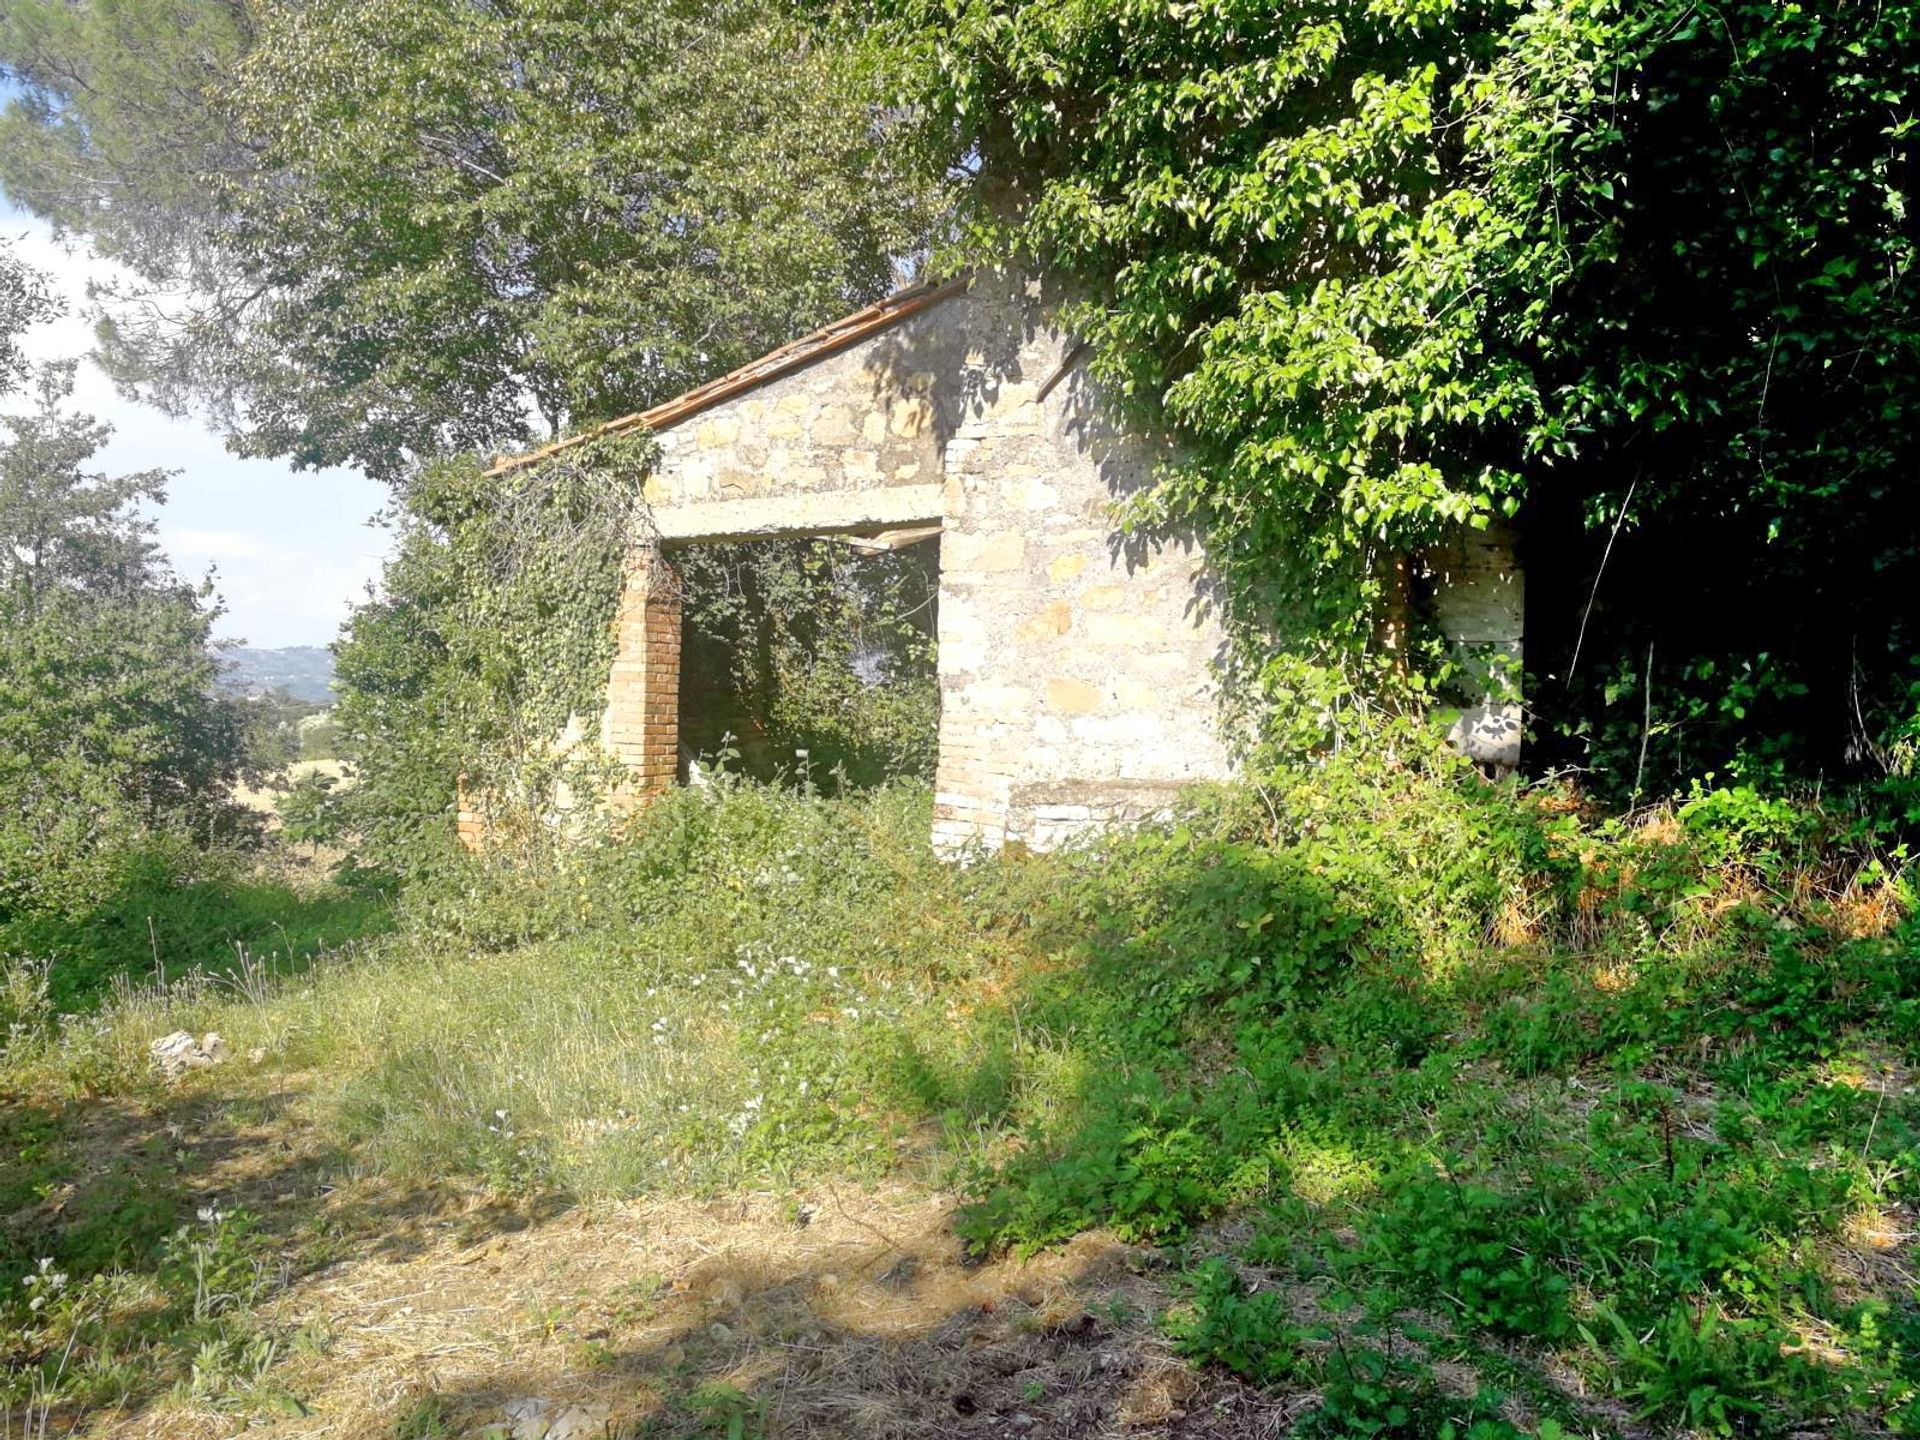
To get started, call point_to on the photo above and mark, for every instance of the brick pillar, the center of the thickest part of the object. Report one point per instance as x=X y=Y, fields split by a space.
x=470 y=824
x=642 y=724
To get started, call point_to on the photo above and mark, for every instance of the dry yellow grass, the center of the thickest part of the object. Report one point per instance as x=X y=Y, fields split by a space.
x=835 y=1310
x=263 y=799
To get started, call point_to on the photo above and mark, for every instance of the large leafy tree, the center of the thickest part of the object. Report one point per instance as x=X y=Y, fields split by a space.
x=113 y=135
x=1636 y=271
x=23 y=302
x=409 y=231
x=1731 y=359
x=69 y=530
x=414 y=229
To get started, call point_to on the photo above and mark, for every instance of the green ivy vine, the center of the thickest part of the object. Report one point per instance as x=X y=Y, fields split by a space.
x=481 y=668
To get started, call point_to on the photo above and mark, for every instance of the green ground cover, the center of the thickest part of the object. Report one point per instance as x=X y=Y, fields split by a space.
x=1454 y=1105
x=156 y=912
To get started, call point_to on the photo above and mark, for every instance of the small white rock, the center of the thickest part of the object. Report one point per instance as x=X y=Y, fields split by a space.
x=579 y=1422
x=532 y=1418
x=174 y=1054
x=527 y=1418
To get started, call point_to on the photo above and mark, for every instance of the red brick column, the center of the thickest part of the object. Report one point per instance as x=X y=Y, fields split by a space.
x=642 y=727
x=470 y=823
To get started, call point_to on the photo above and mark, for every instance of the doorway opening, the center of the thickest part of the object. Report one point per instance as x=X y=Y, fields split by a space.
x=811 y=660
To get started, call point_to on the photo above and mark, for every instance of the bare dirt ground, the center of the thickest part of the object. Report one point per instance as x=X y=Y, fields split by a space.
x=832 y=1311
x=846 y=1314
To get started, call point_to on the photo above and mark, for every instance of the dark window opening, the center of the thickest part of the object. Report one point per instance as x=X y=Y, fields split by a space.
x=811 y=658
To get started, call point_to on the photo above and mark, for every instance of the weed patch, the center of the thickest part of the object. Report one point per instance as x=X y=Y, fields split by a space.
x=1458 y=1109
x=156 y=913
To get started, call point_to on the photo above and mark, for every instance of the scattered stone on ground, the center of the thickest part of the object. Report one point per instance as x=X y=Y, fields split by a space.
x=179 y=1052
x=532 y=1418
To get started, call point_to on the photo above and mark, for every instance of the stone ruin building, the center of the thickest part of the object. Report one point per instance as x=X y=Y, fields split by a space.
x=1078 y=665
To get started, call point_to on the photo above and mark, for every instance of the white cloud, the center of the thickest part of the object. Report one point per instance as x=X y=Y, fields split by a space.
x=293 y=550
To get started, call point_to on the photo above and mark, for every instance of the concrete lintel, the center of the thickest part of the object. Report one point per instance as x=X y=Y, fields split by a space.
x=810 y=514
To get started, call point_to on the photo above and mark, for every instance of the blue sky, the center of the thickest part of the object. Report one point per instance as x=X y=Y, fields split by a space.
x=291 y=550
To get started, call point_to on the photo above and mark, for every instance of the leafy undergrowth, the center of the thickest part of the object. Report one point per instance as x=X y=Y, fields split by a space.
x=161 y=909
x=1452 y=1107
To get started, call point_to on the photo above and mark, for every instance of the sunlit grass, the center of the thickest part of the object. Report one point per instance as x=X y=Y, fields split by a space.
x=1649 y=1110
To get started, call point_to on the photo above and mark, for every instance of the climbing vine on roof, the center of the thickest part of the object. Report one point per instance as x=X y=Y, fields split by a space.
x=487 y=652
x=1639 y=274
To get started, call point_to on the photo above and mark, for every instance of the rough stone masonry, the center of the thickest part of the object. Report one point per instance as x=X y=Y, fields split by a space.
x=1078 y=664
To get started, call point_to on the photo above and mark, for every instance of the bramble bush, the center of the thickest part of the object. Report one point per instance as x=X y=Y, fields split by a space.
x=1617 y=1088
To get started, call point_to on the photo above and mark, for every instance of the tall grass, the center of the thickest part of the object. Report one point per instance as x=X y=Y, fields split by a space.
x=158 y=908
x=724 y=996
x=757 y=981
x=1616 y=1088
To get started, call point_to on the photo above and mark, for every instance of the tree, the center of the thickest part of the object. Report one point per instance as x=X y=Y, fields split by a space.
x=422 y=229
x=490 y=635
x=23 y=303
x=115 y=135
x=275 y=730
x=308 y=810
x=1639 y=274
x=1732 y=356
x=109 y=722
x=415 y=231
x=69 y=530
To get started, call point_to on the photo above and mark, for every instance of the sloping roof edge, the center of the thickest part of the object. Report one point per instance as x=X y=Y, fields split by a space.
x=795 y=355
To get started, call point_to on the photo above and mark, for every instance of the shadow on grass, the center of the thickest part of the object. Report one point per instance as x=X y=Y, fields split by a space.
x=171 y=1215
x=861 y=1322
x=1504 y=1125
x=1200 y=986
x=1404 y=1116
x=156 y=924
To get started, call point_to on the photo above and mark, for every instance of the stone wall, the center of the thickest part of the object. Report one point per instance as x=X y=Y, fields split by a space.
x=805 y=445
x=1072 y=658
x=1077 y=663
x=1478 y=599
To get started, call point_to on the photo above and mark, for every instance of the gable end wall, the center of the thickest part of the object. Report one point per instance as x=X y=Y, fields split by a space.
x=1076 y=664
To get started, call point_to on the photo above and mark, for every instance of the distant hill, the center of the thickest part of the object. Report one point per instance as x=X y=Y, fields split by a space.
x=303 y=671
